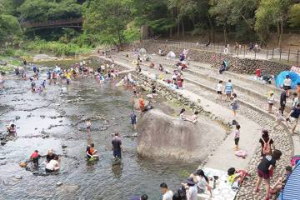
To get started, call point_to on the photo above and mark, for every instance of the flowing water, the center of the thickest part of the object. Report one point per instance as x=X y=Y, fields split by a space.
x=56 y=120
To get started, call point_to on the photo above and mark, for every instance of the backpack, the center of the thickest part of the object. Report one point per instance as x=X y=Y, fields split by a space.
x=266 y=147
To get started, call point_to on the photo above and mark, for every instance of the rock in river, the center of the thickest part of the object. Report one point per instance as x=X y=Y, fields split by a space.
x=161 y=136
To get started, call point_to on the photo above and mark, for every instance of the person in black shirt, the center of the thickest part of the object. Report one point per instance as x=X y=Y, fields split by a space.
x=294 y=117
x=116 y=146
x=266 y=140
x=265 y=170
x=50 y=156
x=283 y=97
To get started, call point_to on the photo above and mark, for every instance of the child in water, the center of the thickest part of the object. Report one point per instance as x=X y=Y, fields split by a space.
x=133 y=120
x=91 y=153
x=88 y=124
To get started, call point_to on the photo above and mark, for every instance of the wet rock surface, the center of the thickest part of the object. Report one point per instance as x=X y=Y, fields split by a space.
x=165 y=137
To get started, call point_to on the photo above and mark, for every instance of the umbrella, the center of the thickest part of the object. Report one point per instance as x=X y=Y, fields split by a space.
x=293 y=76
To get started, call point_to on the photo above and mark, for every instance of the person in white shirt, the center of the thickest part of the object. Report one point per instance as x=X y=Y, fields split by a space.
x=166 y=193
x=53 y=165
x=219 y=90
x=202 y=182
x=287 y=83
x=271 y=101
x=191 y=189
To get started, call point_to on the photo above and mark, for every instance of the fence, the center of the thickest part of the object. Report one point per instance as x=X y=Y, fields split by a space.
x=241 y=51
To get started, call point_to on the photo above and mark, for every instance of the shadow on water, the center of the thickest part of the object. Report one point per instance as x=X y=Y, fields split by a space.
x=54 y=121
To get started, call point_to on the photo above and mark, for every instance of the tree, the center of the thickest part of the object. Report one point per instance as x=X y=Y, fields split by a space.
x=108 y=19
x=9 y=25
x=295 y=15
x=234 y=13
x=272 y=13
x=43 y=10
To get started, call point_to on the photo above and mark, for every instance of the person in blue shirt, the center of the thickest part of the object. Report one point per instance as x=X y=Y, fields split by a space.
x=228 y=90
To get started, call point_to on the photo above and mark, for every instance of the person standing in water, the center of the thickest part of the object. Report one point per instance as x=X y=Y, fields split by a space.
x=116 y=146
x=133 y=118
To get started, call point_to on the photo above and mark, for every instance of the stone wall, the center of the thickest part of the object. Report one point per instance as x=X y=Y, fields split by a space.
x=238 y=65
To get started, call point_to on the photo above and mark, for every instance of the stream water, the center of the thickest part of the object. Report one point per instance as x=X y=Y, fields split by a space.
x=55 y=120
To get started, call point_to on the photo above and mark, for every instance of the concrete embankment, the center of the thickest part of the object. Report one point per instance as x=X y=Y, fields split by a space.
x=252 y=122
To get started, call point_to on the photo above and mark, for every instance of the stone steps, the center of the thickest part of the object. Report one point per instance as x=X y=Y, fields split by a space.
x=246 y=96
x=253 y=113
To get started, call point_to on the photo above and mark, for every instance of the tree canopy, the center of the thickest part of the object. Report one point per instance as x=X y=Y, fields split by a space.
x=119 y=21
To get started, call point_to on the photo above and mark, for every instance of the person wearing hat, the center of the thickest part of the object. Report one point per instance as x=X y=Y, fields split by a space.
x=191 y=189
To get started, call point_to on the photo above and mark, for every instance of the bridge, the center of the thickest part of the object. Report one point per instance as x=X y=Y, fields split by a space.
x=61 y=23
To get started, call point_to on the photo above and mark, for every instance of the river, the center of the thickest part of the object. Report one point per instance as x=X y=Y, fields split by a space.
x=54 y=120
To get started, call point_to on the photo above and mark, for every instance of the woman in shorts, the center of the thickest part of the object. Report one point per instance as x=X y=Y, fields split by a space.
x=265 y=171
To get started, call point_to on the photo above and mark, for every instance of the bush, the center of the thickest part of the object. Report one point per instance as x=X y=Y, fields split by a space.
x=57 y=48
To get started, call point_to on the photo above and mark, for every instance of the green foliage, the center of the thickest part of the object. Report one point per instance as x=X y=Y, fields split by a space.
x=108 y=19
x=9 y=28
x=43 y=10
x=295 y=15
x=271 y=13
x=57 y=48
x=118 y=21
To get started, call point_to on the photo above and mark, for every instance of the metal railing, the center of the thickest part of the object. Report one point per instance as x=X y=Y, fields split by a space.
x=241 y=51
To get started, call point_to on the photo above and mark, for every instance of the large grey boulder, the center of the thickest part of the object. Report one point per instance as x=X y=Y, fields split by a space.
x=163 y=137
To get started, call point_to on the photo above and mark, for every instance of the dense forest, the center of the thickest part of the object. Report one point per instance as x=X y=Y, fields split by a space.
x=120 y=21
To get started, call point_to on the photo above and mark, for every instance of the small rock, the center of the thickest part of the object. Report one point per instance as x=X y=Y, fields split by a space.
x=18 y=117
x=2 y=157
x=3 y=163
x=64 y=146
x=59 y=184
x=18 y=177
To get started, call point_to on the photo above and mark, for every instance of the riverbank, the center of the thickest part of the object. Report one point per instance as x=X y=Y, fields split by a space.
x=248 y=110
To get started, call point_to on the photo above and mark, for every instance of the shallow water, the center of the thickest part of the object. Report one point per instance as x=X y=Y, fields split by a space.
x=57 y=116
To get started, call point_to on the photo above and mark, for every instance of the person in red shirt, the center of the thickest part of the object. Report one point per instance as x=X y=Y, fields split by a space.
x=35 y=157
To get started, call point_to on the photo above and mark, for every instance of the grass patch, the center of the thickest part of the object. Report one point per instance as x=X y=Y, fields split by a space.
x=56 y=48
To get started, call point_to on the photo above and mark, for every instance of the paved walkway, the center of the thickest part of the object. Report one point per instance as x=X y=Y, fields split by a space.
x=223 y=158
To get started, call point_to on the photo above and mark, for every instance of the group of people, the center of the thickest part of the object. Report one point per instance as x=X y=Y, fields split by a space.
x=291 y=118
x=52 y=161
x=227 y=89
